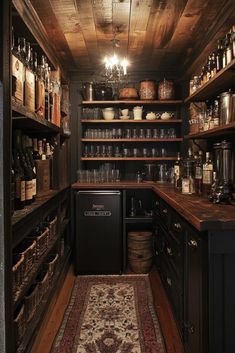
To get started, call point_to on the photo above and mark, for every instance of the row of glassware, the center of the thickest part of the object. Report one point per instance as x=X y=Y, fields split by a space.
x=98 y=175
x=117 y=151
x=129 y=133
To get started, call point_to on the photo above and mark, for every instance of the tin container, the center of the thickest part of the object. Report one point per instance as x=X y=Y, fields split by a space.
x=147 y=90
x=226 y=107
x=166 y=90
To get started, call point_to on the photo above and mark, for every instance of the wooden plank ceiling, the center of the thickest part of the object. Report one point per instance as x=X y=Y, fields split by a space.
x=155 y=35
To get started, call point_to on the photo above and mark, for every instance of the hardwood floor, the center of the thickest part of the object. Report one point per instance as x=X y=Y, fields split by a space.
x=55 y=314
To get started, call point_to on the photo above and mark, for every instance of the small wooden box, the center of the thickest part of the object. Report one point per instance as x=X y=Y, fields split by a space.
x=18 y=78
x=29 y=90
x=43 y=175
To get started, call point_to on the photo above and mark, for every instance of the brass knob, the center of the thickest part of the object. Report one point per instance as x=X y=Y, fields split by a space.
x=168 y=281
x=169 y=251
x=177 y=226
x=164 y=211
x=191 y=329
x=193 y=243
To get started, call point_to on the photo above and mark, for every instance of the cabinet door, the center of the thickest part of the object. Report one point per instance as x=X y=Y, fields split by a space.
x=193 y=299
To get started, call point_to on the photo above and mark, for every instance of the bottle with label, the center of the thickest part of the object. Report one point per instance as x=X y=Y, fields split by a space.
x=29 y=95
x=29 y=149
x=35 y=149
x=229 y=48
x=40 y=89
x=188 y=187
x=19 y=202
x=213 y=65
x=41 y=150
x=233 y=40
x=219 y=56
x=207 y=175
x=12 y=187
x=178 y=173
x=198 y=174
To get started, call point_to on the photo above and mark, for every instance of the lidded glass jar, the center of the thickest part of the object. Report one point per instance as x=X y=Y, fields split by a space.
x=166 y=90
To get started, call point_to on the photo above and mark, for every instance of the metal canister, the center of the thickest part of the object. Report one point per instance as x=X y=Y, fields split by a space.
x=226 y=99
x=88 y=91
x=147 y=89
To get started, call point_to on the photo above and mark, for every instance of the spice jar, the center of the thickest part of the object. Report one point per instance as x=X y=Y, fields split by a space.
x=165 y=90
x=147 y=89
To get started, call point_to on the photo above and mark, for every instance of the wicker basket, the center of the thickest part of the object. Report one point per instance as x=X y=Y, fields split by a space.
x=43 y=284
x=31 y=302
x=53 y=228
x=19 y=324
x=51 y=266
x=17 y=273
x=41 y=242
x=27 y=249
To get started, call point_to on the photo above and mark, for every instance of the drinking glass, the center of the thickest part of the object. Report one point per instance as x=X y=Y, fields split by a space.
x=134 y=134
x=142 y=135
x=163 y=152
x=92 y=151
x=109 y=151
x=85 y=153
x=148 y=133
x=162 y=133
x=128 y=133
x=145 y=152
x=155 y=133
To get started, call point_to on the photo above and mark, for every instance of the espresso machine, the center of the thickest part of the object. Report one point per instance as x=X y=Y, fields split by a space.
x=222 y=188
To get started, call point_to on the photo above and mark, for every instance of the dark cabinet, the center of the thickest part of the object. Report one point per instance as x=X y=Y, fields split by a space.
x=195 y=275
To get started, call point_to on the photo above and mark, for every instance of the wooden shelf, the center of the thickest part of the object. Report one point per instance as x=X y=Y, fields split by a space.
x=119 y=121
x=175 y=139
x=134 y=102
x=217 y=131
x=44 y=304
x=221 y=82
x=129 y=158
x=21 y=215
x=31 y=121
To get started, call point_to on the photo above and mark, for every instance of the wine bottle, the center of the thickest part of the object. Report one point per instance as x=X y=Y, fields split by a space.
x=198 y=175
x=207 y=174
x=19 y=183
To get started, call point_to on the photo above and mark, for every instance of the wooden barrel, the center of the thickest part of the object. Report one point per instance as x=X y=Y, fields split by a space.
x=140 y=251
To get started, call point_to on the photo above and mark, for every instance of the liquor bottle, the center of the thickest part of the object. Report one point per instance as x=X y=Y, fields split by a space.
x=41 y=150
x=47 y=90
x=208 y=69
x=229 y=48
x=29 y=99
x=40 y=89
x=188 y=187
x=12 y=187
x=224 y=53
x=29 y=149
x=233 y=40
x=35 y=149
x=28 y=172
x=219 y=56
x=178 y=173
x=207 y=174
x=198 y=174
x=19 y=183
x=213 y=65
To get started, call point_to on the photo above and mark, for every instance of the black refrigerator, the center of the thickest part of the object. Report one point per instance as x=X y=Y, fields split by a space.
x=98 y=237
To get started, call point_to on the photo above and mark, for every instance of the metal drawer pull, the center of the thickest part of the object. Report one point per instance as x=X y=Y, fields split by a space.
x=193 y=243
x=164 y=211
x=191 y=329
x=168 y=281
x=169 y=251
x=177 y=226
x=157 y=203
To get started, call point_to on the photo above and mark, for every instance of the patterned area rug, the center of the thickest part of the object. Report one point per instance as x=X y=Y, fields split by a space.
x=110 y=314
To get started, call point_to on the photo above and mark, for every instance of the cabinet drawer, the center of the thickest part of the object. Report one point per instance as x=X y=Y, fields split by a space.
x=174 y=254
x=177 y=227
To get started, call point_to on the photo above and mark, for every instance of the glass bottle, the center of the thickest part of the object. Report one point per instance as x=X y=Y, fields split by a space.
x=213 y=65
x=229 y=48
x=188 y=187
x=22 y=48
x=233 y=40
x=219 y=56
x=224 y=53
x=207 y=174
x=19 y=202
x=178 y=173
x=35 y=149
x=28 y=172
x=29 y=148
x=12 y=186
x=198 y=174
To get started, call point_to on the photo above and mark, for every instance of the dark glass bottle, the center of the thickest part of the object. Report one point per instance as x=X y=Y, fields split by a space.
x=219 y=56
x=25 y=166
x=35 y=149
x=29 y=149
x=19 y=182
x=213 y=65
x=198 y=174
x=233 y=40
x=178 y=173
x=229 y=48
x=207 y=175
x=12 y=187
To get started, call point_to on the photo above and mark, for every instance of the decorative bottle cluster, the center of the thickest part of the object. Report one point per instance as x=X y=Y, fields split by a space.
x=34 y=85
x=26 y=153
x=223 y=54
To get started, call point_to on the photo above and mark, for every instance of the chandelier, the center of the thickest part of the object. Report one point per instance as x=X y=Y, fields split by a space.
x=115 y=67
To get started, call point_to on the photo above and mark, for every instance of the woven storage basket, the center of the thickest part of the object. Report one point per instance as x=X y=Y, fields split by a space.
x=51 y=266
x=53 y=228
x=140 y=251
x=19 y=324
x=31 y=302
x=27 y=249
x=17 y=273
x=41 y=242
x=43 y=284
